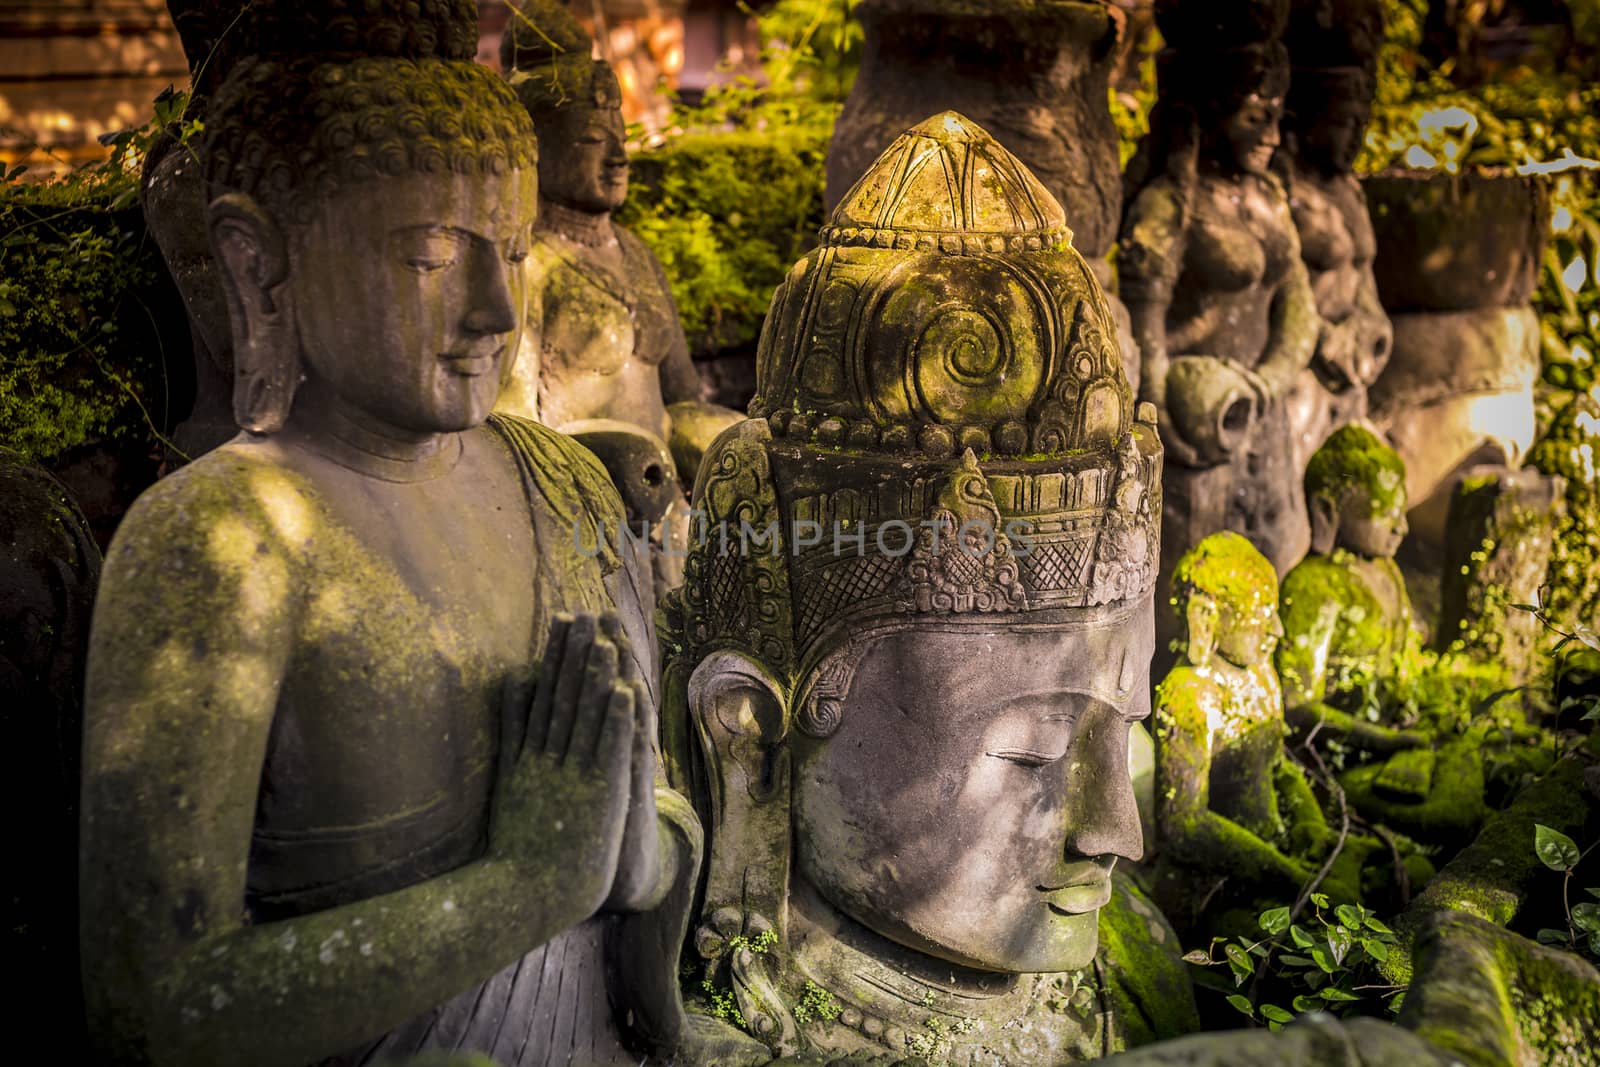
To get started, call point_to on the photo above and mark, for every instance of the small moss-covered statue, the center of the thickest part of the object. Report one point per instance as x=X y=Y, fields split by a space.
x=1230 y=803
x=1346 y=613
x=367 y=742
x=1210 y=268
x=1351 y=664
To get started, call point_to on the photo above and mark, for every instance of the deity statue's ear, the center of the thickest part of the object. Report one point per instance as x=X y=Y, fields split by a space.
x=741 y=714
x=253 y=253
x=1202 y=616
x=1324 y=514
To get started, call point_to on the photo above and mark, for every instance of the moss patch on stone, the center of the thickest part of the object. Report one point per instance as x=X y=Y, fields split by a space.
x=1354 y=459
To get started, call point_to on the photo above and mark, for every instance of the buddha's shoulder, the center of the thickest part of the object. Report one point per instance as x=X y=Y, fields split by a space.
x=230 y=497
x=1316 y=580
x=1186 y=694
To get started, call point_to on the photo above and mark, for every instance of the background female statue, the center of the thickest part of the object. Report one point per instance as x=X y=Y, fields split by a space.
x=1211 y=272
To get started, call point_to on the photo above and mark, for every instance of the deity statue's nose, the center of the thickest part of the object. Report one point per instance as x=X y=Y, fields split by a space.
x=1102 y=816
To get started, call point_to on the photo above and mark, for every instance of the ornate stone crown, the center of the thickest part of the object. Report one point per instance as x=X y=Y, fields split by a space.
x=942 y=425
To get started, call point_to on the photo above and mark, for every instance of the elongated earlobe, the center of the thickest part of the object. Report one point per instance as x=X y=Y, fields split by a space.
x=1324 y=524
x=251 y=251
x=1202 y=617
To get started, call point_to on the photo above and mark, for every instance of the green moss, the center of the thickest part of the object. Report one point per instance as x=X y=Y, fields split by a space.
x=1571 y=448
x=1147 y=984
x=1354 y=459
x=1229 y=569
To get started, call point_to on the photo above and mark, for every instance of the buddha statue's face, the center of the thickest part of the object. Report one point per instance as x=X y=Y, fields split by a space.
x=1371 y=525
x=583 y=158
x=408 y=296
x=1248 y=632
x=975 y=796
x=1252 y=132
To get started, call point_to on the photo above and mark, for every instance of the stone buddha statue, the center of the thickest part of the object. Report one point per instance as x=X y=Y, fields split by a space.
x=1353 y=669
x=1346 y=613
x=1231 y=806
x=1210 y=268
x=914 y=636
x=612 y=353
x=1334 y=49
x=367 y=753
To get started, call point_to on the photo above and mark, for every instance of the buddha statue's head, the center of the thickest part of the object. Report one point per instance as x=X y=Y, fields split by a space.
x=1356 y=494
x=370 y=197
x=575 y=103
x=914 y=684
x=1226 y=593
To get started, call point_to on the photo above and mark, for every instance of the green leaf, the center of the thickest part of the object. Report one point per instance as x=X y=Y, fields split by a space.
x=1397 y=1000
x=1339 y=941
x=1554 y=848
x=1302 y=937
x=1199 y=956
x=1306 y=1004
x=1349 y=916
x=1242 y=1002
x=1319 y=899
x=1273 y=1013
x=1375 y=948
x=1375 y=926
x=1586 y=917
x=1295 y=961
x=1274 y=921
x=1323 y=958
x=1593 y=892
x=1238 y=959
x=1337 y=996
x=1547 y=936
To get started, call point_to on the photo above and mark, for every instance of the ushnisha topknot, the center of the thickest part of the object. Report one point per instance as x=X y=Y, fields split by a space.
x=291 y=133
x=217 y=33
x=546 y=54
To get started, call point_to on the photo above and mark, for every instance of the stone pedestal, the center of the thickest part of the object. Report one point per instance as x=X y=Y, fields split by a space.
x=1497 y=551
x=1458 y=260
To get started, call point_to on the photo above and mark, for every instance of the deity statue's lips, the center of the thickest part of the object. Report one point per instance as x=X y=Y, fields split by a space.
x=472 y=364
x=1084 y=887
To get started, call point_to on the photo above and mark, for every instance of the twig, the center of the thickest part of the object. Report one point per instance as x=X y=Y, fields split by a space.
x=1344 y=827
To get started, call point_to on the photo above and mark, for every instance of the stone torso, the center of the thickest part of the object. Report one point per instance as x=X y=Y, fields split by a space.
x=605 y=323
x=1365 y=614
x=1336 y=239
x=1239 y=246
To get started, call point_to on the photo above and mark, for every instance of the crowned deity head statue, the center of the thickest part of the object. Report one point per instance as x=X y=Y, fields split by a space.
x=917 y=624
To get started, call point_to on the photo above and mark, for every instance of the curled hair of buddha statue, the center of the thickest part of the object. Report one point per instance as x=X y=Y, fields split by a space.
x=372 y=92
x=1355 y=460
x=546 y=53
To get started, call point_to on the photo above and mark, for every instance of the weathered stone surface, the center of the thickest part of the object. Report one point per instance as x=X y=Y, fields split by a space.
x=1034 y=73
x=1458 y=391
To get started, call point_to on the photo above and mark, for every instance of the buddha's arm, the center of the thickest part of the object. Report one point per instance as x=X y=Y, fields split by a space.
x=190 y=643
x=1308 y=825
x=1295 y=327
x=680 y=380
x=1191 y=832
